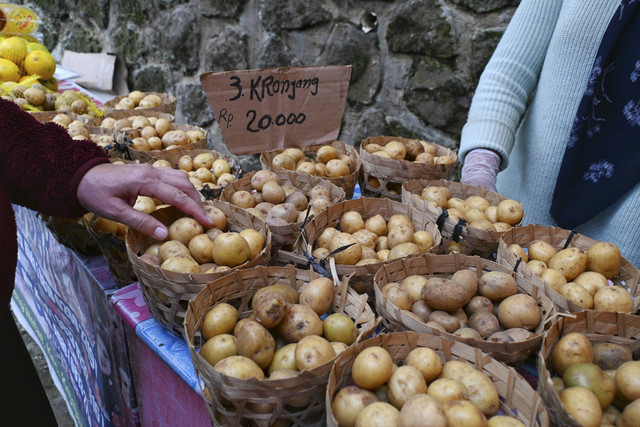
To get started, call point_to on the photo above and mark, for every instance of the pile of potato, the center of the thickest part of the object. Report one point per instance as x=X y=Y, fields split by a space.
x=372 y=240
x=137 y=99
x=489 y=308
x=280 y=204
x=283 y=336
x=37 y=96
x=581 y=277
x=422 y=391
x=203 y=168
x=412 y=150
x=598 y=384
x=190 y=248
x=476 y=210
x=328 y=162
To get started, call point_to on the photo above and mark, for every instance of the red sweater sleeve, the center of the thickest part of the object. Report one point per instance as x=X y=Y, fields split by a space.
x=40 y=164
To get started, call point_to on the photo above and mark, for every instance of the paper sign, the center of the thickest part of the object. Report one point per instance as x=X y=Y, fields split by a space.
x=276 y=108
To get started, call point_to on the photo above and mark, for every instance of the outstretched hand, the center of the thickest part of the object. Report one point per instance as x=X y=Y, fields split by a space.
x=110 y=191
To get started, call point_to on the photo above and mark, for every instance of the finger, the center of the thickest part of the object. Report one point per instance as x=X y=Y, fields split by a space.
x=171 y=195
x=179 y=180
x=138 y=220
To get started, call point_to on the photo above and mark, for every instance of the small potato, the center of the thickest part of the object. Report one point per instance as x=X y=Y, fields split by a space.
x=510 y=211
x=571 y=348
x=423 y=239
x=396 y=294
x=399 y=219
x=497 y=285
x=255 y=240
x=518 y=251
x=446 y=390
x=627 y=380
x=283 y=161
x=272 y=192
x=348 y=402
x=422 y=310
x=403 y=250
x=325 y=238
x=426 y=361
x=613 y=298
x=414 y=284
x=312 y=351
x=463 y=412
x=201 y=248
x=469 y=333
x=220 y=319
x=299 y=322
x=326 y=153
x=366 y=237
x=468 y=279
x=421 y=407
x=537 y=267
x=604 y=258
x=219 y=347
x=398 y=235
x=373 y=367
x=444 y=294
x=541 y=251
x=318 y=294
x=378 y=414
x=610 y=355
x=554 y=278
x=239 y=367
x=405 y=382
x=336 y=168
x=592 y=281
x=519 y=311
x=184 y=229
x=298 y=199
x=478 y=304
x=577 y=294
x=259 y=178
x=351 y=254
x=485 y=323
x=582 y=405
x=172 y=248
x=351 y=221
x=570 y=262
x=482 y=391
x=243 y=199
x=450 y=323
x=376 y=224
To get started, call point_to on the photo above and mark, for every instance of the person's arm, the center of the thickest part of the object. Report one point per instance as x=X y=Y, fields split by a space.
x=40 y=164
x=505 y=86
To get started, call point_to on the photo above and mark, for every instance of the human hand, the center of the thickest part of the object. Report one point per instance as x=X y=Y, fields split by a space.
x=481 y=168
x=110 y=191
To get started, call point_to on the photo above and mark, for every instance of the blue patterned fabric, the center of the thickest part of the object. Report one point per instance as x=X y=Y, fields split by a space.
x=601 y=162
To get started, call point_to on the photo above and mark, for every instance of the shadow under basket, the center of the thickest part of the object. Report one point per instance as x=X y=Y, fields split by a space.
x=71 y=233
x=114 y=250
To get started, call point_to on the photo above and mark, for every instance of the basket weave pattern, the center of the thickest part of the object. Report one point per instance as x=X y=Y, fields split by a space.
x=238 y=289
x=169 y=103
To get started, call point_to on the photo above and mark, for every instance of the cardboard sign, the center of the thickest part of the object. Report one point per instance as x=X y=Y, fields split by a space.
x=275 y=108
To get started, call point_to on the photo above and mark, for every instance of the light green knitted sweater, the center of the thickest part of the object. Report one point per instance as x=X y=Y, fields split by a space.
x=545 y=57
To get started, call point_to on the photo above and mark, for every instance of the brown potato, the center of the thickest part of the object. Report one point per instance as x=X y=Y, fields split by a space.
x=570 y=262
x=604 y=258
x=405 y=382
x=239 y=367
x=270 y=308
x=351 y=254
x=468 y=279
x=582 y=405
x=348 y=402
x=571 y=348
x=478 y=304
x=519 y=311
x=421 y=407
x=541 y=251
x=299 y=322
x=444 y=294
x=450 y=323
x=613 y=298
x=485 y=323
x=318 y=294
x=497 y=285
x=272 y=192
x=610 y=355
x=422 y=310
x=446 y=390
x=312 y=351
x=255 y=342
x=372 y=368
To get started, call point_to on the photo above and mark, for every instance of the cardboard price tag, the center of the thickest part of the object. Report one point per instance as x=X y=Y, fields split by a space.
x=275 y=108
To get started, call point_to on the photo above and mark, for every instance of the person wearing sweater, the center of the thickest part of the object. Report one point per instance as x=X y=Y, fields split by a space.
x=535 y=103
x=43 y=168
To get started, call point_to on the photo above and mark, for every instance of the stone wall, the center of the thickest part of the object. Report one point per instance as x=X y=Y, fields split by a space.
x=415 y=63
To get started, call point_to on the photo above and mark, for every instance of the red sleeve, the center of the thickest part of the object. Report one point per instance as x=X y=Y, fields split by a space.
x=40 y=164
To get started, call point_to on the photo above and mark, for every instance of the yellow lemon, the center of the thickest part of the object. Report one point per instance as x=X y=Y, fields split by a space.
x=14 y=49
x=41 y=63
x=9 y=72
x=31 y=46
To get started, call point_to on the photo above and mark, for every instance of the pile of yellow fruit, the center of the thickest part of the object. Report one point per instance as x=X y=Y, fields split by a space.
x=22 y=57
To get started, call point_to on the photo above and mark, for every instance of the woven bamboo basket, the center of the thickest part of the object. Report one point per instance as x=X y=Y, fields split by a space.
x=113 y=248
x=146 y=112
x=396 y=319
x=286 y=234
x=474 y=240
x=517 y=397
x=229 y=400
x=125 y=136
x=167 y=293
x=362 y=274
x=209 y=191
x=347 y=182
x=382 y=177
x=47 y=116
x=72 y=233
x=559 y=238
x=169 y=103
x=598 y=327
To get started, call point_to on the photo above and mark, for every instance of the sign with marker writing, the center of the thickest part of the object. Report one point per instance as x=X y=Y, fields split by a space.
x=276 y=108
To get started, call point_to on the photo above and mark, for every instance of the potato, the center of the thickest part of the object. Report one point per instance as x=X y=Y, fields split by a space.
x=571 y=348
x=450 y=323
x=338 y=327
x=372 y=367
x=421 y=407
x=285 y=211
x=283 y=161
x=422 y=310
x=270 y=308
x=351 y=221
x=570 y=262
x=298 y=199
x=485 y=323
x=613 y=298
x=184 y=229
x=348 y=402
x=510 y=211
x=405 y=382
x=219 y=347
x=217 y=216
x=378 y=414
x=446 y=389
x=518 y=251
x=239 y=367
x=590 y=376
x=366 y=238
x=497 y=285
x=500 y=336
x=201 y=248
x=504 y=421
x=519 y=311
x=582 y=405
x=630 y=415
x=256 y=343
x=312 y=351
x=272 y=192
x=414 y=284
x=376 y=224
x=478 y=304
x=610 y=355
x=318 y=294
x=426 y=361
x=537 y=267
x=230 y=249
x=350 y=255
x=604 y=258
x=469 y=333
x=397 y=219
x=290 y=295
x=398 y=295
x=336 y=168
x=591 y=281
x=261 y=177
x=577 y=294
x=463 y=413
x=172 y=248
x=181 y=264
x=243 y=199
x=444 y=294
x=482 y=391
x=283 y=359
x=220 y=319
x=174 y=137
x=299 y=322
x=255 y=240
x=541 y=251
x=628 y=380
x=554 y=278
x=468 y=279
x=326 y=153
